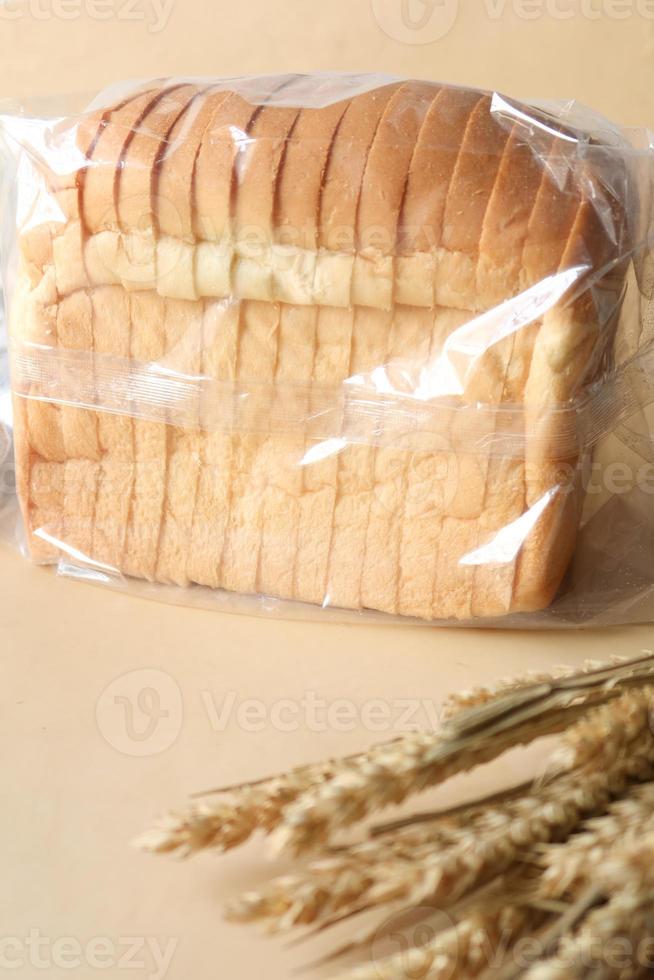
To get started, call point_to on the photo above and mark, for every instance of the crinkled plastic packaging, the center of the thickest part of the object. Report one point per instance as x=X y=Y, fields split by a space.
x=351 y=343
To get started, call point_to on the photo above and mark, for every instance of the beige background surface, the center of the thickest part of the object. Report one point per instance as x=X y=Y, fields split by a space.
x=82 y=771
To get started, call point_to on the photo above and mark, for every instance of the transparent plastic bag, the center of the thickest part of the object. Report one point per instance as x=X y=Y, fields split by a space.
x=345 y=341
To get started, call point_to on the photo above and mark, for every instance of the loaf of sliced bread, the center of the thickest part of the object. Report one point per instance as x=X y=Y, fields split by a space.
x=420 y=240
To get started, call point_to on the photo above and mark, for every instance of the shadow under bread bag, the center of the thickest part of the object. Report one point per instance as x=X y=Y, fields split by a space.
x=348 y=341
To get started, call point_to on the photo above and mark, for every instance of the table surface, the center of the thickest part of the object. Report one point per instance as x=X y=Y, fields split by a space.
x=87 y=759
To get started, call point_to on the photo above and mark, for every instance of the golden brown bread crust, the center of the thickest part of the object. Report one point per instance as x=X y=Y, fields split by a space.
x=383 y=190
x=341 y=189
x=503 y=369
x=104 y=153
x=256 y=176
x=388 y=164
x=441 y=211
x=566 y=348
x=297 y=216
x=361 y=236
x=215 y=163
x=432 y=165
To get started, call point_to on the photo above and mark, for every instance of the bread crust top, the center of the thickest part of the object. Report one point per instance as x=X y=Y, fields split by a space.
x=401 y=169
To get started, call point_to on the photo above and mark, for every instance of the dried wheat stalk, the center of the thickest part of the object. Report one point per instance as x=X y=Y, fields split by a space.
x=436 y=864
x=604 y=731
x=476 y=736
x=533 y=847
x=466 y=949
x=476 y=696
x=625 y=879
x=219 y=823
x=311 y=802
x=573 y=866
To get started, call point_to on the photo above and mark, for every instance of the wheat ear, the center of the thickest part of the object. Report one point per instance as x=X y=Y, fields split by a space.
x=386 y=774
x=478 y=736
x=477 y=696
x=311 y=802
x=465 y=950
x=441 y=864
x=626 y=881
x=570 y=867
